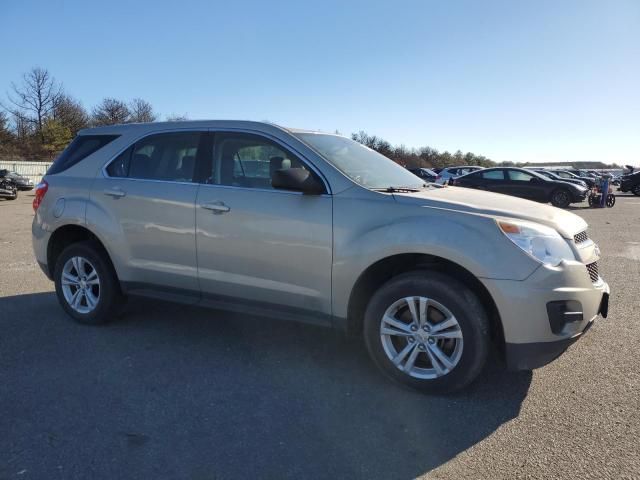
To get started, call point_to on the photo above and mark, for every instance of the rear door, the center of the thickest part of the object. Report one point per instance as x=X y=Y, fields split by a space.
x=148 y=195
x=257 y=245
x=491 y=180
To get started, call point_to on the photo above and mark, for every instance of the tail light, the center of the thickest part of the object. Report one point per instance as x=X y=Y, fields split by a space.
x=438 y=177
x=41 y=190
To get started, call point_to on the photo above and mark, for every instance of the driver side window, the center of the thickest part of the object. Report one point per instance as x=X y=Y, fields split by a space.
x=517 y=176
x=245 y=160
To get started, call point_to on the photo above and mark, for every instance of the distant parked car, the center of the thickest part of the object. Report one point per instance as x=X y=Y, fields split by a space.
x=566 y=174
x=449 y=173
x=524 y=184
x=630 y=183
x=426 y=174
x=553 y=176
x=8 y=189
x=21 y=182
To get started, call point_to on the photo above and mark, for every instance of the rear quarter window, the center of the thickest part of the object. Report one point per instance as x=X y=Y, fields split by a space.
x=80 y=148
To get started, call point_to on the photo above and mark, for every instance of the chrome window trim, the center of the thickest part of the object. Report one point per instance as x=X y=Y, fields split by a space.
x=269 y=190
x=215 y=130
x=141 y=137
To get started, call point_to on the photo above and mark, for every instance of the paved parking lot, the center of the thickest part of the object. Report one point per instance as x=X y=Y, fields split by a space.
x=175 y=392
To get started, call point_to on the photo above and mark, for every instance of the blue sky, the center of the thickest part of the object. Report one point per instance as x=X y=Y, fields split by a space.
x=512 y=80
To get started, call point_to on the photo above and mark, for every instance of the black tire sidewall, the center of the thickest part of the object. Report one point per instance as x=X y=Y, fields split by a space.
x=564 y=204
x=110 y=296
x=454 y=296
x=636 y=190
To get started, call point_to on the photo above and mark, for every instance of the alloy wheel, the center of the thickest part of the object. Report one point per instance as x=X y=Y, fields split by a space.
x=421 y=337
x=80 y=284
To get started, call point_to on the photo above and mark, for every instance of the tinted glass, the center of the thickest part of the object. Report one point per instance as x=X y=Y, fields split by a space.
x=120 y=166
x=492 y=174
x=518 y=176
x=81 y=147
x=165 y=156
x=361 y=164
x=244 y=160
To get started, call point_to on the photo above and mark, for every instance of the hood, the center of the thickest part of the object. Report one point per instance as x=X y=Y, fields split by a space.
x=477 y=202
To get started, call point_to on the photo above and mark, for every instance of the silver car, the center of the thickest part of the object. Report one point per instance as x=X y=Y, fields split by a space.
x=313 y=227
x=447 y=174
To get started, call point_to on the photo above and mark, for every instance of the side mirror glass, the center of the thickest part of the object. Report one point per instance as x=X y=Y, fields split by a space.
x=296 y=179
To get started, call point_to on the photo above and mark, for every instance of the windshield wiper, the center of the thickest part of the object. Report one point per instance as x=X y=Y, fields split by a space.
x=398 y=189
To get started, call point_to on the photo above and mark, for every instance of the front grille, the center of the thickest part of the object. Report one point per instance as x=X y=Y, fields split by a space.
x=592 y=268
x=581 y=237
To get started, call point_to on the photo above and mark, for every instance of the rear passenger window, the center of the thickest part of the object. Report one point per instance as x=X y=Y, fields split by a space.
x=81 y=147
x=493 y=175
x=165 y=156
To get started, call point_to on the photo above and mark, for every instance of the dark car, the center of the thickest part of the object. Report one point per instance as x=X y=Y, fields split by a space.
x=553 y=176
x=22 y=183
x=8 y=189
x=525 y=184
x=426 y=174
x=630 y=183
x=566 y=174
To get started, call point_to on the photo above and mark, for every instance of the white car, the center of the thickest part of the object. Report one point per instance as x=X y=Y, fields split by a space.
x=448 y=173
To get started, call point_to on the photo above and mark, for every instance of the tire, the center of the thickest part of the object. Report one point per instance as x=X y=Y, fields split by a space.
x=636 y=189
x=561 y=198
x=467 y=354
x=107 y=292
x=591 y=199
x=611 y=200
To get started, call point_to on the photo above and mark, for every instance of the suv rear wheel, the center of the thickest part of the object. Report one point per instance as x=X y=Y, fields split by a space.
x=636 y=189
x=427 y=331
x=86 y=284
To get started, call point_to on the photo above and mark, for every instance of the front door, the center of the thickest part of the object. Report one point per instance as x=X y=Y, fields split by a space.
x=258 y=245
x=525 y=185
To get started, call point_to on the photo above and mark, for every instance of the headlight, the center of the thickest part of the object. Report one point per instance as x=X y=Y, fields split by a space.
x=542 y=243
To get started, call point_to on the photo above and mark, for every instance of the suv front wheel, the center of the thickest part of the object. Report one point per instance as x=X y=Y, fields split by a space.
x=427 y=331
x=86 y=284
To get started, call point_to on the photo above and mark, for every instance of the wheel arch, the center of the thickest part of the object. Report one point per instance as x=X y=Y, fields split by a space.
x=374 y=276
x=66 y=235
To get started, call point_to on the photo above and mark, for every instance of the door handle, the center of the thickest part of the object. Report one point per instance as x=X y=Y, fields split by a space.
x=115 y=192
x=216 y=207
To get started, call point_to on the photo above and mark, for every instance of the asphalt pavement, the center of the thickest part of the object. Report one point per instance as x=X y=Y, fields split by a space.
x=169 y=391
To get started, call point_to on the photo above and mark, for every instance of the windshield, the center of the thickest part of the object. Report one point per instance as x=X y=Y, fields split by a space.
x=361 y=164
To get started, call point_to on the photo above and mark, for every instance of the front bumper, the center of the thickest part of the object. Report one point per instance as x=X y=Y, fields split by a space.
x=527 y=356
x=578 y=197
x=535 y=330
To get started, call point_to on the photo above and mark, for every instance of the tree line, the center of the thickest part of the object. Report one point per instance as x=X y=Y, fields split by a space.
x=423 y=157
x=38 y=118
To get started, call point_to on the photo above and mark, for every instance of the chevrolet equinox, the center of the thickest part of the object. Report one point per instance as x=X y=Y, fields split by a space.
x=313 y=227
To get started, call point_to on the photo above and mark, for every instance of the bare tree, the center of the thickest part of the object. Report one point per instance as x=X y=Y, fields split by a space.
x=174 y=117
x=34 y=99
x=141 y=111
x=7 y=138
x=110 y=112
x=71 y=114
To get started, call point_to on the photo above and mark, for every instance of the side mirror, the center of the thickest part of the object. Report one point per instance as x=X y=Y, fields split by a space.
x=296 y=179
x=534 y=180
